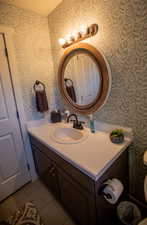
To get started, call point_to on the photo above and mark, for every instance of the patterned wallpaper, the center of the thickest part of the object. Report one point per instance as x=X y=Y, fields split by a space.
x=122 y=38
x=33 y=53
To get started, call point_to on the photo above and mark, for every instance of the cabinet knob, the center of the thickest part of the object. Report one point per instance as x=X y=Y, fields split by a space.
x=52 y=169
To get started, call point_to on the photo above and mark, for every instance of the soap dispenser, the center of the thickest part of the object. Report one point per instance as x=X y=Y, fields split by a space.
x=91 y=123
x=55 y=116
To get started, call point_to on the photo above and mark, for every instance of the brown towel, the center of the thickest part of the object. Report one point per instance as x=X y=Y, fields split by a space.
x=41 y=101
x=4 y=223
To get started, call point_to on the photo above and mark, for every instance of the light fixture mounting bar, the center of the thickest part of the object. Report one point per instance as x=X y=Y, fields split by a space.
x=90 y=31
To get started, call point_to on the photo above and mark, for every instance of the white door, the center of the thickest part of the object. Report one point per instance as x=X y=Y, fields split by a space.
x=13 y=166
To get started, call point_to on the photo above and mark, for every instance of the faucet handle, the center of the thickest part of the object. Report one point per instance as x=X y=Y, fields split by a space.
x=78 y=125
x=82 y=122
x=81 y=125
x=65 y=115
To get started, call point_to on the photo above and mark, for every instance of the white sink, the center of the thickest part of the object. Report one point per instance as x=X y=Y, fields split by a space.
x=67 y=135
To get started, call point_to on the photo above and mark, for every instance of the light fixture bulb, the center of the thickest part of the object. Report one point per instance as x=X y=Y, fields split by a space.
x=83 y=30
x=62 y=41
x=76 y=35
x=69 y=38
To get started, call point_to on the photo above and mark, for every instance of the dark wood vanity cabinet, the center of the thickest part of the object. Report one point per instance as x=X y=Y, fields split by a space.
x=78 y=193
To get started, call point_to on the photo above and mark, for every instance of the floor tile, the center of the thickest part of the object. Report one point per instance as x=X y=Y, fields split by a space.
x=61 y=209
x=51 y=211
x=9 y=206
x=51 y=215
x=41 y=197
x=5 y=211
x=69 y=221
x=35 y=192
x=33 y=186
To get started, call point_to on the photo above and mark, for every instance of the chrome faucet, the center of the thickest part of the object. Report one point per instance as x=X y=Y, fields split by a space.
x=76 y=124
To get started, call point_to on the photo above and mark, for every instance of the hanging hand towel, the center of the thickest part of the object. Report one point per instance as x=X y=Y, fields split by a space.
x=41 y=98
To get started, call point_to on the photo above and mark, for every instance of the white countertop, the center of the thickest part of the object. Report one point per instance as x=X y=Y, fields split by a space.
x=93 y=156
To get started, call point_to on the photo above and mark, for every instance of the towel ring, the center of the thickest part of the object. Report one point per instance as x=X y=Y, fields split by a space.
x=37 y=83
x=68 y=80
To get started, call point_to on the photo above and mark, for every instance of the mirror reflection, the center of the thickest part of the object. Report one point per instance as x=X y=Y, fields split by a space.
x=82 y=78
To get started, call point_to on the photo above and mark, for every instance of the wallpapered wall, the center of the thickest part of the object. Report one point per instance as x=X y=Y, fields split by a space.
x=33 y=53
x=121 y=37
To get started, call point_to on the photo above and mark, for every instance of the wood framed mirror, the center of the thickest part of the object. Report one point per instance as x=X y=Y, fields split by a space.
x=84 y=78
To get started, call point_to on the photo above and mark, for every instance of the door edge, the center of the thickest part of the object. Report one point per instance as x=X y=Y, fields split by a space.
x=9 y=35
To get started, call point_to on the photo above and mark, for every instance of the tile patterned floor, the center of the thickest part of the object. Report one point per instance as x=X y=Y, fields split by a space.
x=50 y=210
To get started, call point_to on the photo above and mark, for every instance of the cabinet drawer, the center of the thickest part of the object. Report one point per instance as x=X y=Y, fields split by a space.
x=85 y=181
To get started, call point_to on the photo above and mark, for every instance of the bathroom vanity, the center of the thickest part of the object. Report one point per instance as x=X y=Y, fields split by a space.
x=76 y=164
x=76 y=172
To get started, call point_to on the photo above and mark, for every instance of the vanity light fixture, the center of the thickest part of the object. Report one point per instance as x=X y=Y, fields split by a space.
x=62 y=41
x=76 y=36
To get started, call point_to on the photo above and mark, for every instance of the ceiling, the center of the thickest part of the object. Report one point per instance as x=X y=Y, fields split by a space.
x=43 y=7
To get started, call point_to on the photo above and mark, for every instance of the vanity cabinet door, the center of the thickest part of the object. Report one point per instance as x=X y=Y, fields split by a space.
x=79 y=203
x=46 y=171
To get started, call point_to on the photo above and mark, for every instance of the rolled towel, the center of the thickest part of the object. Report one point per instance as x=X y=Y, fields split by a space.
x=41 y=101
x=70 y=89
x=40 y=95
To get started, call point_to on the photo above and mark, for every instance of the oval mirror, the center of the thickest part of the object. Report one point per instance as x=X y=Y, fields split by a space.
x=84 y=78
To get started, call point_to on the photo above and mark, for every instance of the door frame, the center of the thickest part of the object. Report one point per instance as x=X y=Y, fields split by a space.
x=9 y=35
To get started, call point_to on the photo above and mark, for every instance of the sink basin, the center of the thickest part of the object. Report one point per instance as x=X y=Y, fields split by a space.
x=67 y=135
